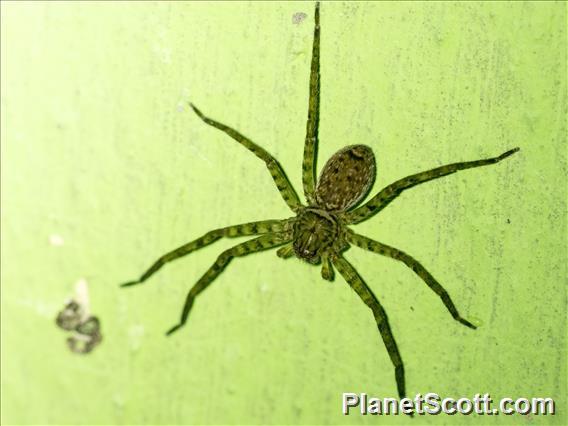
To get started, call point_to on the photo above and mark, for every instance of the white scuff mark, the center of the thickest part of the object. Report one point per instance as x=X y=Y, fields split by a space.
x=264 y=288
x=56 y=240
x=135 y=336
x=82 y=297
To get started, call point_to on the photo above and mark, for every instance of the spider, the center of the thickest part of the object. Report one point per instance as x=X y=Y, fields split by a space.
x=319 y=232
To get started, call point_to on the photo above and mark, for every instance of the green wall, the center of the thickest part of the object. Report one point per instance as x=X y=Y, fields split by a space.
x=99 y=148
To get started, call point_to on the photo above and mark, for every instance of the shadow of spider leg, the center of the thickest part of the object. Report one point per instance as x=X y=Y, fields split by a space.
x=264 y=242
x=356 y=282
x=282 y=183
x=252 y=228
x=389 y=193
x=380 y=248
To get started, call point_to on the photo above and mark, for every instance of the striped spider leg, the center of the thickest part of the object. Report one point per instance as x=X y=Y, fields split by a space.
x=273 y=234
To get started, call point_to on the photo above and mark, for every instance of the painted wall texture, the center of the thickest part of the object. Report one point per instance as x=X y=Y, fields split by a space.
x=104 y=168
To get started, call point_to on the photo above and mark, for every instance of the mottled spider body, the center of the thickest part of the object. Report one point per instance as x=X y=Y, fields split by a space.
x=319 y=232
x=344 y=180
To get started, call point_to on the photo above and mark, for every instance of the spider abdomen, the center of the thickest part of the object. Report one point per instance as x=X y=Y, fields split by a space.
x=346 y=178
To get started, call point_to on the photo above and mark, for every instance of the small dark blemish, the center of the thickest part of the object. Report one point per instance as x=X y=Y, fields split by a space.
x=298 y=17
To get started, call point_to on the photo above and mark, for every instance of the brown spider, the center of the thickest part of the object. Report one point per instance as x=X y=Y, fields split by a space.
x=319 y=233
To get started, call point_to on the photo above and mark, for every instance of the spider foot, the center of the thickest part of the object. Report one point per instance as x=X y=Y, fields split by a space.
x=466 y=323
x=198 y=112
x=129 y=283
x=508 y=153
x=173 y=329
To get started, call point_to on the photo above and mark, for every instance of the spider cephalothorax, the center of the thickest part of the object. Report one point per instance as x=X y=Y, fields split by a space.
x=315 y=232
x=319 y=232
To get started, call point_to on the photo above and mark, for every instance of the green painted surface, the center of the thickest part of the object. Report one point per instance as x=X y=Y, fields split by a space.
x=99 y=148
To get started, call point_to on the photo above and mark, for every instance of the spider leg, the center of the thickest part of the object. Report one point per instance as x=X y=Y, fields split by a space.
x=356 y=282
x=263 y=242
x=380 y=248
x=282 y=183
x=389 y=193
x=310 y=146
x=252 y=228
